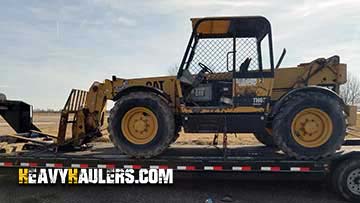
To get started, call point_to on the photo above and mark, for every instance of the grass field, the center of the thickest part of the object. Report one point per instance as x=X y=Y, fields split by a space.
x=48 y=123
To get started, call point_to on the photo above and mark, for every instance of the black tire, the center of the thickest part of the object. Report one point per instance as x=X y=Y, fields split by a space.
x=297 y=102
x=165 y=118
x=265 y=138
x=348 y=189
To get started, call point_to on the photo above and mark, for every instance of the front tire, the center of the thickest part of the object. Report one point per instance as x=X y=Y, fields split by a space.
x=309 y=125
x=141 y=124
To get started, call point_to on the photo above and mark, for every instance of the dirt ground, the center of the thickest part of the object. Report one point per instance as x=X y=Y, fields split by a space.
x=48 y=123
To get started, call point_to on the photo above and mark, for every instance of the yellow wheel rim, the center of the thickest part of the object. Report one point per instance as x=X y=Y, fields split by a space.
x=311 y=127
x=139 y=125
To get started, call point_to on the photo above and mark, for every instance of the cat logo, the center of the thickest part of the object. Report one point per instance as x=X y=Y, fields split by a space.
x=156 y=84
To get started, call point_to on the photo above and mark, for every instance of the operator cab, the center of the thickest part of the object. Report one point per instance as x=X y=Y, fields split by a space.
x=227 y=61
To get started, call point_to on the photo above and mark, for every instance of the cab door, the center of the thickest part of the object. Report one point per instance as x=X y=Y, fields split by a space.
x=252 y=81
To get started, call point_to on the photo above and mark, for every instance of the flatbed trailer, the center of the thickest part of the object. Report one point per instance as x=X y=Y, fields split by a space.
x=341 y=170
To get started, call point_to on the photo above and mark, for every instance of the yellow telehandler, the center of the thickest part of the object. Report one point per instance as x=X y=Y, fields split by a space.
x=227 y=83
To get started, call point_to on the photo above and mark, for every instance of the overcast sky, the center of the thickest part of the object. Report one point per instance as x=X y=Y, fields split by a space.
x=49 y=47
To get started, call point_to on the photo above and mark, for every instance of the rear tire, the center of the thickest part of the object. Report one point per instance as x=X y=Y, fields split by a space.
x=141 y=134
x=309 y=125
x=265 y=138
x=346 y=180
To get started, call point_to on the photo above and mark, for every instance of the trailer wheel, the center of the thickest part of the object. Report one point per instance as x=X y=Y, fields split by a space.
x=265 y=138
x=346 y=179
x=141 y=124
x=309 y=125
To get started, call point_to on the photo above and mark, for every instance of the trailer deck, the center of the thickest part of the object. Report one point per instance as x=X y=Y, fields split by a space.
x=182 y=158
x=255 y=161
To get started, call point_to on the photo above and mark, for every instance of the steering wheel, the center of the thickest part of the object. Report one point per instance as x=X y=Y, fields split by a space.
x=201 y=75
x=205 y=69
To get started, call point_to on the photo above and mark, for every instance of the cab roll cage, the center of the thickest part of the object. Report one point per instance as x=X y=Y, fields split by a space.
x=238 y=27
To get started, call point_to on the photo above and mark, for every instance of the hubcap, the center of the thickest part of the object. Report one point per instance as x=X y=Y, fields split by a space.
x=139 y=125
x=311 y=127
x=353 y=182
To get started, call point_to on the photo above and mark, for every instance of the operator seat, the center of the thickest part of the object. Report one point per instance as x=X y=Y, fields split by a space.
x=244 y=67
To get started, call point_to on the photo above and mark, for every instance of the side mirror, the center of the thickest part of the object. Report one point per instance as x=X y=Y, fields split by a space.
x=280 y=59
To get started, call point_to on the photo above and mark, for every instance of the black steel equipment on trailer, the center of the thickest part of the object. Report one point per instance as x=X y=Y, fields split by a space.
x=343 y=169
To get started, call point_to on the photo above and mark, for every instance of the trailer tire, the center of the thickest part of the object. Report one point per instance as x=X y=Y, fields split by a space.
x=265 y=138
x=141 y=124
x=346 y=179
x=309 y=125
